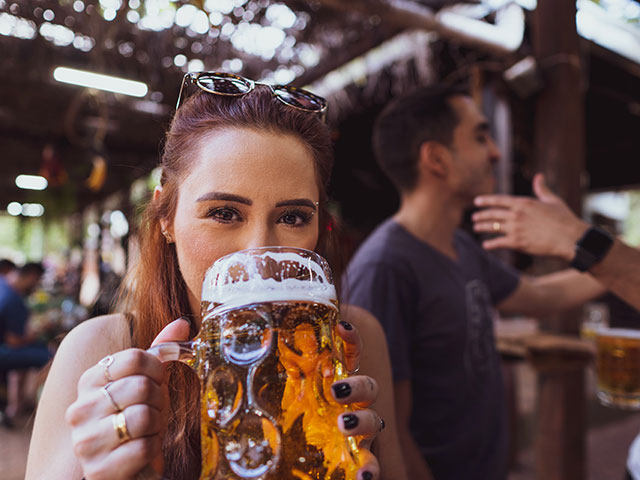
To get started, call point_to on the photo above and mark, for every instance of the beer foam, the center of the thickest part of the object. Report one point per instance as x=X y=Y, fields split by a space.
x=619 y=332
x=219 y=287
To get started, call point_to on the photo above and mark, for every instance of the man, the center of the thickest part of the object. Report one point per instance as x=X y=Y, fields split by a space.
x=18 y=348
x=433 y=288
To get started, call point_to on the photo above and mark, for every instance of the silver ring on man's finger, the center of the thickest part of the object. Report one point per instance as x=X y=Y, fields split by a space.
x=354 y=371
x=382 y=425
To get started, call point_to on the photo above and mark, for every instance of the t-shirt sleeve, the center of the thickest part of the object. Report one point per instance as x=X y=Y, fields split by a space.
x=502 y=279
x=387 y=294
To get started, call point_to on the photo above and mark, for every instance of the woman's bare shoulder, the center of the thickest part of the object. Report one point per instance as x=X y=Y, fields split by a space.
x=101 y=335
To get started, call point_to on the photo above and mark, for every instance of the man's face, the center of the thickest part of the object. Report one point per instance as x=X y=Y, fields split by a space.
x=474 y=153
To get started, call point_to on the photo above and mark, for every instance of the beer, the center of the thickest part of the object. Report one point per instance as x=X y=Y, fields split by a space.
x=618 y=365
x=267 y=354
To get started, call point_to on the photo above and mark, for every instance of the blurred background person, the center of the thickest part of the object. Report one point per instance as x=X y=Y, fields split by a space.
x=6 y=266
x=20 y=348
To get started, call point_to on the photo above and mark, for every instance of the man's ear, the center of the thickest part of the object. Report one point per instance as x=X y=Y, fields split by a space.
x=433 y=157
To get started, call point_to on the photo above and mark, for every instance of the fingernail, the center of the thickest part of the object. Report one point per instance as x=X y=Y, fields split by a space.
x=367 y=476
x=346 y=325
x=350 y=421
x=341 y=390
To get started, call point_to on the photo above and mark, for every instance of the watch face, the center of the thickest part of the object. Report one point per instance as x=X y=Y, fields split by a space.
x=596 y=241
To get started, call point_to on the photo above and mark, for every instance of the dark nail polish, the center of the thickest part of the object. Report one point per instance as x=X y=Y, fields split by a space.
x=367 y=476
x=341 y=390
x=346 y=325
x=350 y=421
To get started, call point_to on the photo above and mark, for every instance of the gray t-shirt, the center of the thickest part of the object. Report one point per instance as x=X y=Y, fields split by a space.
x=437 y=315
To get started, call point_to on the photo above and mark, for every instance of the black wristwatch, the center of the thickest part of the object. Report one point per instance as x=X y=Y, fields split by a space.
x=591 y=248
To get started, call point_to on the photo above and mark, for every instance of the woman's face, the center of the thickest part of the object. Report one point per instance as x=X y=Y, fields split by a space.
x=247 y=188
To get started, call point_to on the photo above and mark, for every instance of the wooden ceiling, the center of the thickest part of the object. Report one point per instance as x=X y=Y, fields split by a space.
x=37 y=113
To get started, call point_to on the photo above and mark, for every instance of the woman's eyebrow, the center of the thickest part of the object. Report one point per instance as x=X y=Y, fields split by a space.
x=297 y=202
x=229 y=197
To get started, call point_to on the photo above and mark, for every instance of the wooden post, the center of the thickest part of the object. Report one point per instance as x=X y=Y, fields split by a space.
x=559 y=122
x=561 y=424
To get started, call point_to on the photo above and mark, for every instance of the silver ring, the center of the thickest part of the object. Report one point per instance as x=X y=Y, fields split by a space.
x=353 y=372
x=109 y=397
x=382 y=424
x=106 y=362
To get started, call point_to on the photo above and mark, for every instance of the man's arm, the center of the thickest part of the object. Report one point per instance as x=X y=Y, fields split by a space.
x=546 y=226
x=416 y=465
x=554 y=292
x=619 y=271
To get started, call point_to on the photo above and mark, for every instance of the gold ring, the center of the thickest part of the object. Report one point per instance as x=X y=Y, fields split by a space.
x=120 y=426
x=496 y=226
x=106 y=363
x=109 y=397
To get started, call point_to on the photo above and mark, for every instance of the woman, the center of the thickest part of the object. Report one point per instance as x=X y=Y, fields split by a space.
x=239 y=171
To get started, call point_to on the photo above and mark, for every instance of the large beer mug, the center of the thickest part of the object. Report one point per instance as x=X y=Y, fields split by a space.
x=618 y=366
x=266 y=355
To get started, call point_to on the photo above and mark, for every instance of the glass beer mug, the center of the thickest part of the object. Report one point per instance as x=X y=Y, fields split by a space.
x=618 y=366
x=266 y=355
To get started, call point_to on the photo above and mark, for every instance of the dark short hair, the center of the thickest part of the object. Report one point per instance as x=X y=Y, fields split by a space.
x=424 y=115
x=31 y=268
x=6 y=266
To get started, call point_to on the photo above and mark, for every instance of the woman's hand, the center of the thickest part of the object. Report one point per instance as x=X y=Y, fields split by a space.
x=361 y=391
x=121 y=412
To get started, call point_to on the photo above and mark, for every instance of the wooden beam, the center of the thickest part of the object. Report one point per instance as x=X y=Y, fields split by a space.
x=413 y=15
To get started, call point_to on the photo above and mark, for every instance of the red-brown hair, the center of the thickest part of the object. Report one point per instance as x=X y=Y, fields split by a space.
x=156 y=293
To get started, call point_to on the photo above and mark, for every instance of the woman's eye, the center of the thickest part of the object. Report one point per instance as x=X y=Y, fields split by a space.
x=295 y=218
x=224 y=214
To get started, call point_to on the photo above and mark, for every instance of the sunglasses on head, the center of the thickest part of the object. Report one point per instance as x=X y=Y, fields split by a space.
x=228 y=84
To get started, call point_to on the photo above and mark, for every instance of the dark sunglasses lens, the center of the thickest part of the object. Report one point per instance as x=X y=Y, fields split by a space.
x=300 y=98
x=225 y=85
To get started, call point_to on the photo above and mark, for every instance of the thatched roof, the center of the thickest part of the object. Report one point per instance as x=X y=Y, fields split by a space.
x=65 y=131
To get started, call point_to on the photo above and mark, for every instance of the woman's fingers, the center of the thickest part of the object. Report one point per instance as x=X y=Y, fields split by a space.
x=366 y=423
x=360 y=390
x=125 y=461
x=352 y=345
x=370 y=470
x=138 y=389
x=122 y=364
x=128 y=391
x=92 y=438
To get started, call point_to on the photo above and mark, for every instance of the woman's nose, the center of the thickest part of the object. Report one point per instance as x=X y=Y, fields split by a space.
x=259 y=236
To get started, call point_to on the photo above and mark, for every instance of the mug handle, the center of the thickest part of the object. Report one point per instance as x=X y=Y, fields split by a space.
x=175 y=351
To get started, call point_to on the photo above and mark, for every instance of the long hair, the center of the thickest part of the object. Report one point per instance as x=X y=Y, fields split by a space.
x=154 y=291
